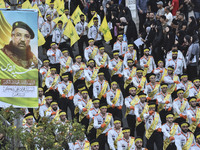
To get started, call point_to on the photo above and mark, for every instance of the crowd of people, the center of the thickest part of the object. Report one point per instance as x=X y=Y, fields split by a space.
x=155 y=87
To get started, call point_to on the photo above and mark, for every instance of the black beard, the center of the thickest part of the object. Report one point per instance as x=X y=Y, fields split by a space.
x=55 y=109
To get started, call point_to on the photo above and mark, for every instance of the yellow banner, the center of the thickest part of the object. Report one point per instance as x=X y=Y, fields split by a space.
x=83 y=114
x=172 y=133
x=181 y=109
x=107 y=122
x=155 y=90
x=54 y=83
x=189 y=142
x=103 y=60
x=67 y=89
x=78 y=73
x=127 y=82
x=164 y=74
x=151 y=129
x=186 y=94
x=94 y=75
x=134 y=101
x=64 y=69
x=142 y=82
x=194 y=124
x=173 y=86
x=119 y=64
x=94 y=52
x=103 y=91
x=161 y=106
x=146 y=69
x=120 y=135
x=145 y=110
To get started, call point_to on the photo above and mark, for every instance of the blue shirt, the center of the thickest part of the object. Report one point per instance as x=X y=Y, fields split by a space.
x=142 y=5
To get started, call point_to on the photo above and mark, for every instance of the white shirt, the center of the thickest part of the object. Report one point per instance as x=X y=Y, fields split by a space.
x=121 y=46
x=88 y=51
x=129 y=55
x=177 y=103
x=43 y=8
x=149 y=120
x=177 y=64
x=100 y=119
x=166 y=129
x=99 y=57
x=98 y=86
x=62 y=86
x=158 y=74
x=47 y=28
x=49 y=80
x=54 y=59
x=123 y=144
x=169 y=17
x=81 y=28
x=160 y=97
x=76 y=67
x=112 y=136
x=63 y=61
x=144 y=60
x=57 y=36
x=93 y=33
x=89 y=72
x=128 y=101
x=191 y=113
x=110 y=96
x=52 y=12
x=112 y=63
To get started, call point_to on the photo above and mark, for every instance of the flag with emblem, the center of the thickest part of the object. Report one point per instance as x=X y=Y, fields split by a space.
x=2 y=4
x=105 y=30
x=36 y=7
x=71 y=33
x=63 y=18
x=60 y=7
x=26 y=5
x=76 y=15
x=41 y=40
x=91 y=23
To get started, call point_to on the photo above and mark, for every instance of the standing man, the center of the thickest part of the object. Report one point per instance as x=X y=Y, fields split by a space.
x=102 y=60
x=127 y=142
x=130 y=103
x=142 y=10
x=147 y=62
x=45 y=71
x=66 y=90
x=193 y=115
x=169 y=130
x=54 y=55
x=81 y=29
x=103 y=122
x=153 y=127
x=116 y=68
x=91 y=75
x=139 y=143
x=100 y=88
x=195 y=89
x=94 y=32
x=140 y=109
x=43 y=108
x=164 y=102
x=120 y=45
x=114 y=99
x=180 y=106
x=47 y=31
x=114 y=134
x=160 y=71
x=78 y=72
x=130 y=54
x=185 y=139
x=91 y=51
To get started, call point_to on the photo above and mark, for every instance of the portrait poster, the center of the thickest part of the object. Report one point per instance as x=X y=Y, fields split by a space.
x=18 y=58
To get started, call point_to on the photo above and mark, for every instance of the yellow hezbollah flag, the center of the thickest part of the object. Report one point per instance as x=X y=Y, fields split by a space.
x=76 y=15
x=63 y=18
x=91 y=23
x=26 y=5
x=61 y=7
x=2 y=4
x=105 y=30
x=71 y=33
x=36 y=7
x=41 y=40
x=5 y=31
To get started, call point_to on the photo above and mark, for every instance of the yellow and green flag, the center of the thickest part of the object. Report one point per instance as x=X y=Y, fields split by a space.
x=60 y=8
x=91 y=23
x=76 y=15
x=63 y=18
x=26 y=5
x=71 y=33
x=41 y=40
x=105 y=30
x=2 y=4
x=36 y=7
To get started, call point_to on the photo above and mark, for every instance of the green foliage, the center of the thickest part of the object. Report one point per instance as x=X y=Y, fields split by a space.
x=45 y=134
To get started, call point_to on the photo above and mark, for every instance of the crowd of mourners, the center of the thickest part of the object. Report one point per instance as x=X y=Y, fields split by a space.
x=154 y=86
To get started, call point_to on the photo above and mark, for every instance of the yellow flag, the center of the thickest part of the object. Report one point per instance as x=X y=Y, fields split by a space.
x=76 y=15
x=63 y=18
x=36 y=7
x=26 y=5
x=2 y=4
x=105 y=30
x=5 y=31
x=71 y=33
x=41 y=40
x=60 y=8
x=91 y=23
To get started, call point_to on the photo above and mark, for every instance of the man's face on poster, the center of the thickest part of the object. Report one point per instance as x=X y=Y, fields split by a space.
x=21 y=38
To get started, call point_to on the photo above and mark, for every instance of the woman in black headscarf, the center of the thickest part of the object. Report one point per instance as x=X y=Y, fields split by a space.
x=192 y=26
x=157 y=53
x=180 y=35
x=131 y=32
x=184 y=47
x=169 y=39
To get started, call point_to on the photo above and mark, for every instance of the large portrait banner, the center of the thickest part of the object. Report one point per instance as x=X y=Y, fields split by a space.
x=18 y=58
